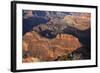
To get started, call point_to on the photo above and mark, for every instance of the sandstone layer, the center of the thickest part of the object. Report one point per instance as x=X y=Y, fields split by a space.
x=81 y=21
x=39 y=48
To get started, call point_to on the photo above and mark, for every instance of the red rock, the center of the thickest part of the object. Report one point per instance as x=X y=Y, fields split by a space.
x=30 y=59
x=80 y=21
x=49 y=49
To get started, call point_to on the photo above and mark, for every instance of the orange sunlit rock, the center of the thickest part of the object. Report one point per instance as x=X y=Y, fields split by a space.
x=80 y=21
x=49 y=49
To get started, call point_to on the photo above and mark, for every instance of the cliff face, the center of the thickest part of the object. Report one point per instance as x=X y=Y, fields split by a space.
x=44 y=49
x=54 y=21
x=51 y=35
x=44 y=14
x=53 y=27
x=81 y=21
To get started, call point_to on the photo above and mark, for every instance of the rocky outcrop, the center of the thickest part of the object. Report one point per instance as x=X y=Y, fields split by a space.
x=40 y=48
x=44 y=14
x=80 y=22
x=54 y=26
x=73 y=22
x=30 y=59
x=51 y=35
x=55 y=22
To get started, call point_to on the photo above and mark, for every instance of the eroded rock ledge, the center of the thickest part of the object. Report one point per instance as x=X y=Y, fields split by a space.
x=39 y=48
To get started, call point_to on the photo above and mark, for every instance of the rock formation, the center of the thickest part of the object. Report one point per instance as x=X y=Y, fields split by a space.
x=44 y=14
x=54 y=26
x=40 y=48
x=81 y=21
x=51 y=35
